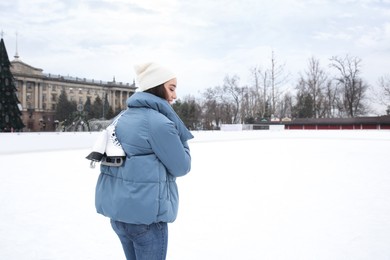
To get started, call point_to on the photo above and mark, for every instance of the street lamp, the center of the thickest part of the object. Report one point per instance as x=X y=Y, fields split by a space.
x=42 y=123
x=104 y=102
x=56 y=123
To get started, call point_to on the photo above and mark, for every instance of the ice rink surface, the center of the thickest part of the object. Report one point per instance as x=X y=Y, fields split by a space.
x=272 y=195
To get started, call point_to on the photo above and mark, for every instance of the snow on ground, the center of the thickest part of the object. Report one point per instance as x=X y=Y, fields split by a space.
x=250 y=195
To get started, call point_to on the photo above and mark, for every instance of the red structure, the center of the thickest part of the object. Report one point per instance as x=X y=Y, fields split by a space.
x=358 y=123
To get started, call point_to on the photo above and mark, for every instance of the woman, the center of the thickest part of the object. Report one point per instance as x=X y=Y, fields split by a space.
x=140 y=196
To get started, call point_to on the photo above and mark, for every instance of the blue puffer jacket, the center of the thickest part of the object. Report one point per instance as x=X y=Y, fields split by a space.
x=143 y=190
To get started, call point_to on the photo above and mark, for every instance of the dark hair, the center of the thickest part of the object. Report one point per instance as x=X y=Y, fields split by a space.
x=157 y=91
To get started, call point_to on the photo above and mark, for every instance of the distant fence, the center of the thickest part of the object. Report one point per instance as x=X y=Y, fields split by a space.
x=356 y=123
x=243 y=127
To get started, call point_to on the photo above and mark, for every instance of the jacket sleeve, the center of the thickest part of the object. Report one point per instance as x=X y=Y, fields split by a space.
x=170 y=150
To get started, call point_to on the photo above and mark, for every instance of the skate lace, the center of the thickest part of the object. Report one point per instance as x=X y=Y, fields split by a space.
x=112 y=128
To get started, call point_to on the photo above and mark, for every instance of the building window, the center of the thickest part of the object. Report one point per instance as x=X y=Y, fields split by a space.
x=30 y=85
x=54 y=97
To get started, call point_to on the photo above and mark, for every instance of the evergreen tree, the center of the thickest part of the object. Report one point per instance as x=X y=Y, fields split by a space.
x=9 y=104
x=304 y=106
x=189 y=111
x=88 y=107
x=106 y=107
x=97 y=108
x=65 y=108
x=110 y=114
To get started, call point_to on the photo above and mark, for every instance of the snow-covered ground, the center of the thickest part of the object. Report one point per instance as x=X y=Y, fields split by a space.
x=272 y=195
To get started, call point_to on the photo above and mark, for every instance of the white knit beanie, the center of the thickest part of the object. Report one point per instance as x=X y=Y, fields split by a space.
x=150 y=75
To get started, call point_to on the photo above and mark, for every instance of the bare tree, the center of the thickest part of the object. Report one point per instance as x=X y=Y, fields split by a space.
x=330 y=103
x=315 y=80
x=260 y=87
x=352 y=87
x=384 y=83
x=286 y=106
x=277 y=78
x=267 y=84
x=211 y=108
x=234 y=92
x=384 y=96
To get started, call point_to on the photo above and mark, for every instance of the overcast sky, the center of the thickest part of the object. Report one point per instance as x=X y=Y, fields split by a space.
x=203 y=40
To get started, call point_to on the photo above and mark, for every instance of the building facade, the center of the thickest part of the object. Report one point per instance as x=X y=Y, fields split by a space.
x=38 y=94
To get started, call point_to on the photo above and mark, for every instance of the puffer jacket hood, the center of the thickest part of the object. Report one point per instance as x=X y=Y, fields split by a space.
x=144 y=99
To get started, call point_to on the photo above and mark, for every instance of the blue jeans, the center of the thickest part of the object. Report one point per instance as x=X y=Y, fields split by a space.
x=142 y=242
